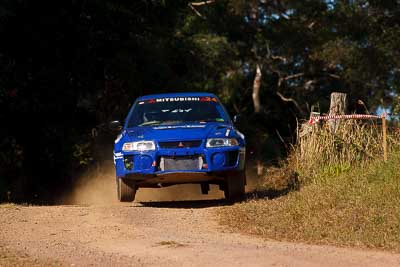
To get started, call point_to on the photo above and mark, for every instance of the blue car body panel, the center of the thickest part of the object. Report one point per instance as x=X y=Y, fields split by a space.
x=181 y=145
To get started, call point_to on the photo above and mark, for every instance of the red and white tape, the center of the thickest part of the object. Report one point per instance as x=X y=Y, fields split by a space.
x=336 y=117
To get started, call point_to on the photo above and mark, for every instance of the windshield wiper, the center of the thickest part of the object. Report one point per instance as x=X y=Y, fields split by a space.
x=172 y=122
x=206 y=120
x=149 y=123
x=160 y=122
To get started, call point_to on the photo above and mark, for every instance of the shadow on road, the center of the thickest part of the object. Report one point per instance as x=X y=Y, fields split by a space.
x=199 y=204
x=186 y=204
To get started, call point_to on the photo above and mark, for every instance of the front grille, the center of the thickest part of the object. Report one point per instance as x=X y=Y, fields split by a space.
x=180 y=144
x=181 y=163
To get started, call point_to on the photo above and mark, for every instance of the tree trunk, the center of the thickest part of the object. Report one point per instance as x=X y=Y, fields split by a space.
x=257 y=110
x=338 y=107
x=256 y=90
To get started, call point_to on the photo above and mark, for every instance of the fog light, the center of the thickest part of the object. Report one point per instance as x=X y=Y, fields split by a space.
x=128 y=162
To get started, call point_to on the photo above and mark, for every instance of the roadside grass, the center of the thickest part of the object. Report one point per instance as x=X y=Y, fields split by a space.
x=343 y=202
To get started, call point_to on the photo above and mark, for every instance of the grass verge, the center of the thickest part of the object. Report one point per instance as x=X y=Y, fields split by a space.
x=357 y=207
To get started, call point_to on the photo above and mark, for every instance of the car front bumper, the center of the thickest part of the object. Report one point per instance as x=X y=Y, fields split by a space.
x=181 y=165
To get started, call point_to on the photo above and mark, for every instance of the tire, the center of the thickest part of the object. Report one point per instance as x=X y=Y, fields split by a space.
x=234 y=188
x=126 y=190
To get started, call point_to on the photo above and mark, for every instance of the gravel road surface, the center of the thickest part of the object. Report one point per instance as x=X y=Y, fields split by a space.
x=179 y=233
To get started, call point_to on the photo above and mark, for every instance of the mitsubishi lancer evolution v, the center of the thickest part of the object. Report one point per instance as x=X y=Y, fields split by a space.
x=179 y=138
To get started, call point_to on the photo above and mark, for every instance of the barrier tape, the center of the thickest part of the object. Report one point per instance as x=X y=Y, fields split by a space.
x=352 y=116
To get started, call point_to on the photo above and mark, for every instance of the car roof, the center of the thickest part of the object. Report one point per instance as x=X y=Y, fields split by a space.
x=187 y=94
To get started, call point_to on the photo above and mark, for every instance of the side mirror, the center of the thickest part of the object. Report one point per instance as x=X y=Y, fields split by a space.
x=237 y=118
x=115 y=126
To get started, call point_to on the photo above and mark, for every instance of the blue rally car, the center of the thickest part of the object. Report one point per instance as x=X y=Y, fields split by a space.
x=179 y=138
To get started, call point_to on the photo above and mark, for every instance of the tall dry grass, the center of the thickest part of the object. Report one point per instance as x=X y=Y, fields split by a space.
x=354 y=142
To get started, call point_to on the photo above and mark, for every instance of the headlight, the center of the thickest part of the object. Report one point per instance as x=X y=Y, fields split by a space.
x=218 y=142
x=139 y=146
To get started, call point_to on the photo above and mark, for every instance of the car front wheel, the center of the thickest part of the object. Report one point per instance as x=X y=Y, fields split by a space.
x=126 y=190
x=234 y=188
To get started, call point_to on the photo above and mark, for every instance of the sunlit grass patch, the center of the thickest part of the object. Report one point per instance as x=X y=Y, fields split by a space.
x=342 y=201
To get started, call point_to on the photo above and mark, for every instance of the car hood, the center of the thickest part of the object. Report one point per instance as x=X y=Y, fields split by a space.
x=179 y=132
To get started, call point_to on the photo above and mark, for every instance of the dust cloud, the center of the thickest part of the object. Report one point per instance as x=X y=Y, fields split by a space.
x=95 y=187
x=98 y=187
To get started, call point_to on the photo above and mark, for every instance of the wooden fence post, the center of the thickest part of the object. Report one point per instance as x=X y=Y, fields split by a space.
x=384 y=141
x=338 y=107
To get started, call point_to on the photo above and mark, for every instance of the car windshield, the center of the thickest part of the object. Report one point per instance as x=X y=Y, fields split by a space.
x=174 y=110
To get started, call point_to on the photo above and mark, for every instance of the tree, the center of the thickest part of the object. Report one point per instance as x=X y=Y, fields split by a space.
x=68 y=67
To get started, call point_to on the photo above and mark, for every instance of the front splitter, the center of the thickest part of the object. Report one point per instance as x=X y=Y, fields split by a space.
x=172 y=178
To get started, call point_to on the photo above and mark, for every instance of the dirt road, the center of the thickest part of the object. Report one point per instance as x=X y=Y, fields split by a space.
x=155 y=234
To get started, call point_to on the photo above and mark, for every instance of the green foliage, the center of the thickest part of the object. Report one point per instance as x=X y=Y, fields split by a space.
x=334 y=170
x=82 y=154
x=68 y=67
x=396 y=107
